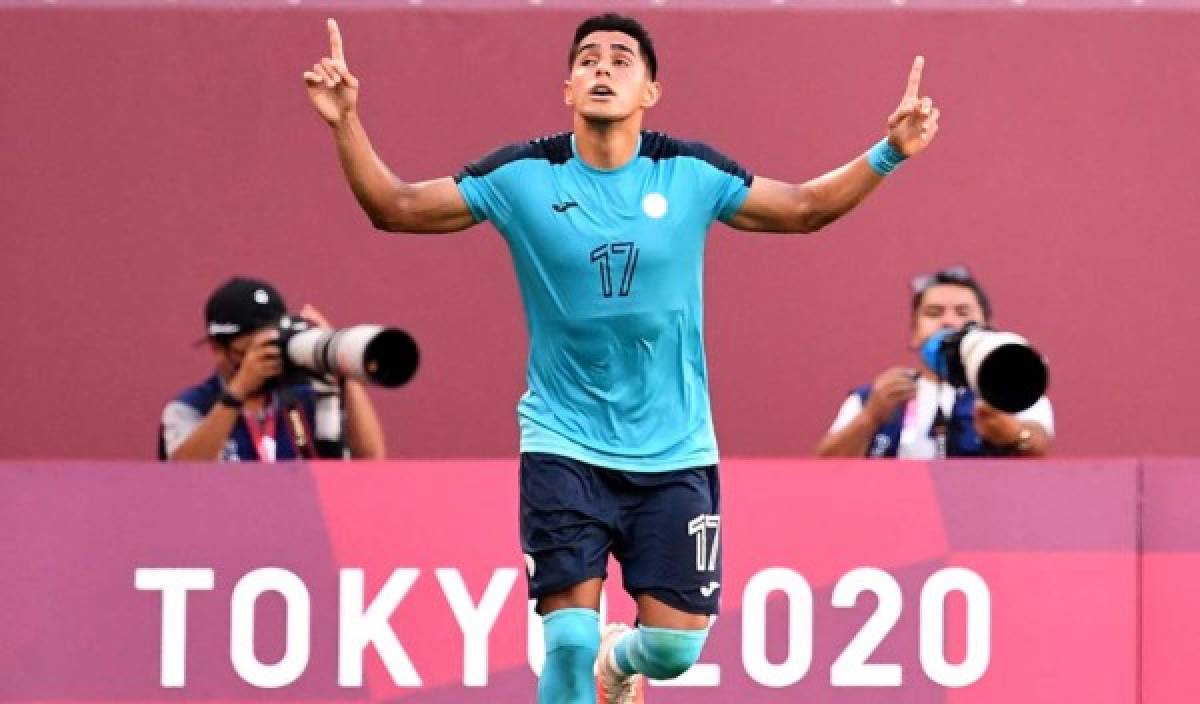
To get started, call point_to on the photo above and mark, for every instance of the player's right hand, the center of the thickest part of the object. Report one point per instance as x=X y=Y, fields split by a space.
x=263 y=360
x=332 y=89
x=890 y=389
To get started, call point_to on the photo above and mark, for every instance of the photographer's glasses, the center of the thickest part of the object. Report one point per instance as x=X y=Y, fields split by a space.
x=952 y=274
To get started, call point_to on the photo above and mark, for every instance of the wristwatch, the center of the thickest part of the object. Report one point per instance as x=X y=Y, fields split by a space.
x=230 y=400
x=1024 y=439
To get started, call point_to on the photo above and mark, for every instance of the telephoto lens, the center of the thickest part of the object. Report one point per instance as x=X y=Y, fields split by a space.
x=374 y=354
x=1001 y=368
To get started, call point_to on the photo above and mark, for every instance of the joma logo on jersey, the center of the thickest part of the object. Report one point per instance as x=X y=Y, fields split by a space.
x=564 y=206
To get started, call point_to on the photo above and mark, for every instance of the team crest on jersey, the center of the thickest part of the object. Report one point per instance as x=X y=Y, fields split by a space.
x=654 y=205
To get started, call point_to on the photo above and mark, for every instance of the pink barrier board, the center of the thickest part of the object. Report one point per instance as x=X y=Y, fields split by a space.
x=844 y=582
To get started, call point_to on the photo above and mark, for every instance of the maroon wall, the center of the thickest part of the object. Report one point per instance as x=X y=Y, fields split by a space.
x=148 y=154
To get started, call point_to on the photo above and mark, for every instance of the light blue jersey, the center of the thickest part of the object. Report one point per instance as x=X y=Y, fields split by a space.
x=610 y=266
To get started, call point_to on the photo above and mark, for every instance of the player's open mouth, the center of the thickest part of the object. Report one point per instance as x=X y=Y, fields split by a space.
x=601 y=92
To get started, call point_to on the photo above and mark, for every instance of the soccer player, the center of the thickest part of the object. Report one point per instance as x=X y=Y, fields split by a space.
x=606 y=225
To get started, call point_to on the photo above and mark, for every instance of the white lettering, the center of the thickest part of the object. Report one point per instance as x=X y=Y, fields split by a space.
x=754 y=627
x=174 y=583
x=851 y=669
x=296 y=628
x=933 y=626
x=476 y=622
x=359 y=628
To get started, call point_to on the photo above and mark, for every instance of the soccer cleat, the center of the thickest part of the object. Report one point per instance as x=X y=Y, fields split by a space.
x=612 y=687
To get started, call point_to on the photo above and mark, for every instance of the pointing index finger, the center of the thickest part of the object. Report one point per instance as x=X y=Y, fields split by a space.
x=914 y=77
x=335 y=40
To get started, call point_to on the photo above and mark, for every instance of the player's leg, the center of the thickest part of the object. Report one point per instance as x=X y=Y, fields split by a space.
x=566 y=543
x=665 y=643
x=671 y=559
x=571 y=630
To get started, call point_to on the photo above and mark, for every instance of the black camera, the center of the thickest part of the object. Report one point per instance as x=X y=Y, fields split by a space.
x=1002 y=368
x=372 y=353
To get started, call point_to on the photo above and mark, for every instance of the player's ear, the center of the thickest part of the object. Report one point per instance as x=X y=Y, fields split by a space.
x=652 y=93
x=567 y=99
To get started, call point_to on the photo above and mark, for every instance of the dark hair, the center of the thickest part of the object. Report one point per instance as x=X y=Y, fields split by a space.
x=612 y=22
x=954 y=276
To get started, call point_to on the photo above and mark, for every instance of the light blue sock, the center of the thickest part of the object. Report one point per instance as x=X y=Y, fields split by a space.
x=572 y=638
x=659 y=653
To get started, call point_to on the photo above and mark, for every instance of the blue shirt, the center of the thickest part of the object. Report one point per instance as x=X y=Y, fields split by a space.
x=610 y=265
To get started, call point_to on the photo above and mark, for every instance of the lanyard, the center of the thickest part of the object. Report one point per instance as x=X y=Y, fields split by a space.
x=263 y=435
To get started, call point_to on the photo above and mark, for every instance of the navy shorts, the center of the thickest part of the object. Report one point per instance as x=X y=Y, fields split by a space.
x=663 y=527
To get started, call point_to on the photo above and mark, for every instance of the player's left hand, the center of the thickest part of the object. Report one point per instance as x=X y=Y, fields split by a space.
x=997 y=427
x=914 y=123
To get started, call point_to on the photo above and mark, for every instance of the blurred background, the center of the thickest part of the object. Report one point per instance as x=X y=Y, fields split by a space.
x=153 y=149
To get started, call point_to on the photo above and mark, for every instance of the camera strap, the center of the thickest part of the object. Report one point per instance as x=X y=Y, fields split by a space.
x=262 y=433
x=940 y=430
x=302 y=436
x=297 y=423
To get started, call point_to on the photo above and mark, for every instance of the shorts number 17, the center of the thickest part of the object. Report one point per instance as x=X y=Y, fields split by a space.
x=704 y=526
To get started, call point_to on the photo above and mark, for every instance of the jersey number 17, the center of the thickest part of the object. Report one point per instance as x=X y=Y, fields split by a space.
x=622 y=254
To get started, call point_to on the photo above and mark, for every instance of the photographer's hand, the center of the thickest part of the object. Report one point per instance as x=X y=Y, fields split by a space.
x=1004 y=430
x=997 y=427
x=328 y=383
x=314 y=316
x=890 y=389
x=364 y=432
x=263 y=360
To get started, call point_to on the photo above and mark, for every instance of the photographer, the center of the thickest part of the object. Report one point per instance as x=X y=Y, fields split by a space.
x=911 y=413
x=247 y=410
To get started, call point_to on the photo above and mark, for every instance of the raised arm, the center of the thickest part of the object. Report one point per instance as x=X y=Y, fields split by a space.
x=391 y=204
x=774 y=206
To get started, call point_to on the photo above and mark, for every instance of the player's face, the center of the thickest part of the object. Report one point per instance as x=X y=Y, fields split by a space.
x=944 y=306
x=609 y=80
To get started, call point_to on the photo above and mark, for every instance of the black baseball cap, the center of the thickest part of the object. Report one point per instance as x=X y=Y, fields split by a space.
x=241 y=305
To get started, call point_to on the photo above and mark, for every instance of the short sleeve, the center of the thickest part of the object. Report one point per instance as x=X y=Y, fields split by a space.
x=1041 y=413
x=178 y=422
x=732 y=191
x=848 y=412
x=482 y=183
x=727 y=183
x=480 y=196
